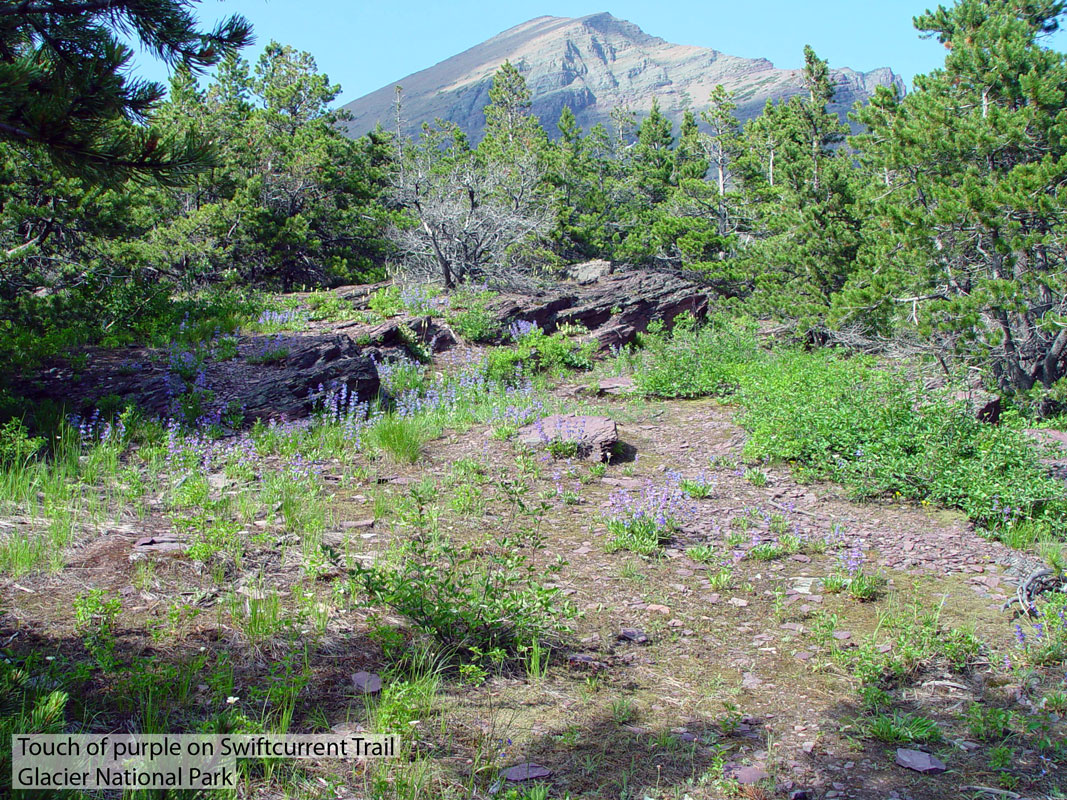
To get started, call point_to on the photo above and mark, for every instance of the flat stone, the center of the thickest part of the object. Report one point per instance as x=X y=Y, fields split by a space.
x=919 y=761
x=737 y=601
x=633 y=635
x=656 y=608
x=805 y=585
x=367 y=682
x=526 y=772
x=585 y=661
x=616 y=386
x=747 y=776
x=156 y=544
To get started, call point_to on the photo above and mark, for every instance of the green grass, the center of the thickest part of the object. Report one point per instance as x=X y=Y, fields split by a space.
x=400 y=438
x=902 y=728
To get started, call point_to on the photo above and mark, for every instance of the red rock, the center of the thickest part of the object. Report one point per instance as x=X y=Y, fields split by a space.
x=367 y=682
x=919 y=761
x=526 y=772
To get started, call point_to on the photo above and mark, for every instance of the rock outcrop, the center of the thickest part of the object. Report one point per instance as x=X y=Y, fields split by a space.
x=615 y=307
x=592 y=64
x=278 y=390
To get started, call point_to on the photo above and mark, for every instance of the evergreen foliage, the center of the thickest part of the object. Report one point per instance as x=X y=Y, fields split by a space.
x=940 y=223
x=64 y=87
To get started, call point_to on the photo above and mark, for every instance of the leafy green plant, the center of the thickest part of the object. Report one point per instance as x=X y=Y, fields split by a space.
x=1001 y=757
x=622 y=710
x=94 y=617
x=691 y=360
x=699 y=488
x=535 y=351
x=987 y=723
x=1055 y=702
x=755 y=476
x=703 y=553
x=475 y=324
x=16 y=445
x=471 y=599
x=848 y=420
x=721 y=579
x=562 y=448
x=386 y=301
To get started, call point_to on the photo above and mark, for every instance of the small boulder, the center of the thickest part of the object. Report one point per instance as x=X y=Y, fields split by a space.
x=616 y=386
x=593 y=437
x=746 y=776
x=526 y=772
x=367 y=682
x=919 y=761
x=589 y=271
x=633 y=635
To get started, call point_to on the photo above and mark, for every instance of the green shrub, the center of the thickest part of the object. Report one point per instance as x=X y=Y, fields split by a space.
x=386 y=301
x=847 y=420
x=692 y=361
x=536 y=351
x=16 y=445
x=482 y=603
x=476 y=324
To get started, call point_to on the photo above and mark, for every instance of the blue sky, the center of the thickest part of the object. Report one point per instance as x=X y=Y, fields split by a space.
x=366 y=45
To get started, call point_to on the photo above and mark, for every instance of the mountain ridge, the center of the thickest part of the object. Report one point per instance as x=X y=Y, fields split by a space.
x=593 y=64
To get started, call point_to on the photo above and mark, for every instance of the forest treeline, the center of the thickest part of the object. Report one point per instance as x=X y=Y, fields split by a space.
x=940 y=225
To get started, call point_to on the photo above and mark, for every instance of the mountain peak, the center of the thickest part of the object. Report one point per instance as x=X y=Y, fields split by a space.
x=591 y=64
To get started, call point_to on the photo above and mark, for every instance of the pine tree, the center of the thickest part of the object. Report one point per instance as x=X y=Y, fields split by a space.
x=968 y=243
x=64 y=87
x=799 y=191
x=582 y=174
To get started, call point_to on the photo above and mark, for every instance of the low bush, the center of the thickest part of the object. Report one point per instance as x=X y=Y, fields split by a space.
x=848 y=420
x=536 y=351
x=693 y=361
x=475 y=324
x=851 y=420
x=482 y=603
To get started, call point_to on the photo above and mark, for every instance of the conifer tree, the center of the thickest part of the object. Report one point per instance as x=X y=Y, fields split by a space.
x=968 y=241
x=64 y=85
x=802 y=219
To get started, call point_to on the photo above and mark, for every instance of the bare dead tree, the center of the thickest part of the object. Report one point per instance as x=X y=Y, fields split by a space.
x=471 y=217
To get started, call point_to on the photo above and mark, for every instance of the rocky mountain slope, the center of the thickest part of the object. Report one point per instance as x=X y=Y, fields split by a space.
x=592 y=64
